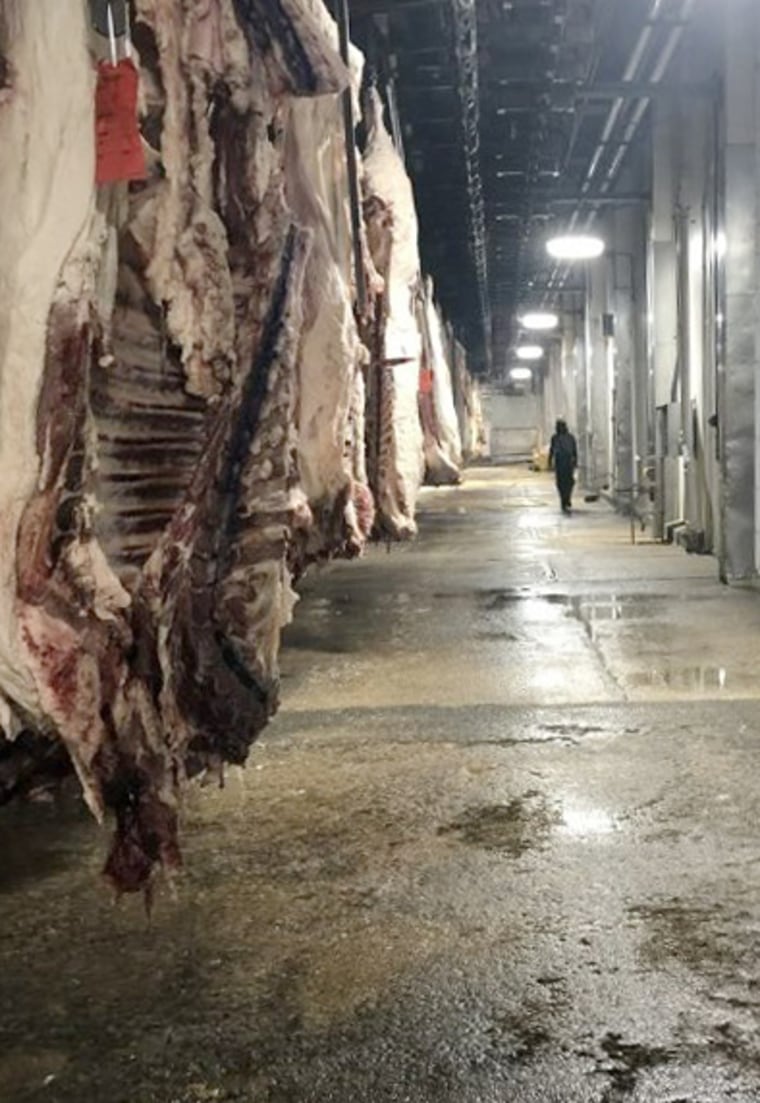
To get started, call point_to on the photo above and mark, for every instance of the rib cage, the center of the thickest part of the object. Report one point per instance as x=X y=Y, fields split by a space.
x=191 y=431
x=149 y=437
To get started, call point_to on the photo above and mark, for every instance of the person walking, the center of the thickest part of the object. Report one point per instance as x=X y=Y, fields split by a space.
x=563 y=459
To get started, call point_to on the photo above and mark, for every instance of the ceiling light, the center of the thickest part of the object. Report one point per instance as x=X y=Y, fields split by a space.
x=539 y=320
x=520 y=375
x=575 y=247
x=529 y=352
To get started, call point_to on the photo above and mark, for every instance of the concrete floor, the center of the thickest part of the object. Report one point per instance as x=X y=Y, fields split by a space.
x=501 y=844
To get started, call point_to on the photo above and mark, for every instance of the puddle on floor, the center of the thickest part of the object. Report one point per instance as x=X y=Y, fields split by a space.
x=341 y=623
x=526 y=823
x=584 y=606
x=589 y=607
x=515 y=827
x=624 y=1061
x=691 y=933
x=518 y=1038
x=700 y=678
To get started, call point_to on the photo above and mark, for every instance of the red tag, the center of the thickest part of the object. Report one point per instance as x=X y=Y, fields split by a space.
x=118 y=150
x=426 y=381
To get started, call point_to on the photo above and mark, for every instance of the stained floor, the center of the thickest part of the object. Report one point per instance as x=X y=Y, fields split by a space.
x=501 y=844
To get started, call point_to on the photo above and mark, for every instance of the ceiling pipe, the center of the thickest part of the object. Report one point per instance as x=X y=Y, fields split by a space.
x=634 y=90
x=540 y=107
x=675 y=35
x=629 y=75
x=672 y=44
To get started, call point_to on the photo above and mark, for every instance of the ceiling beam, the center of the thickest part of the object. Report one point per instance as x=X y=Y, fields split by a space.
x=467 y=61
x=639 y=90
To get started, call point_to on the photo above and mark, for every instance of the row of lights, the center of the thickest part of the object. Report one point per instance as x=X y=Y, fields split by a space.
x=567 y=247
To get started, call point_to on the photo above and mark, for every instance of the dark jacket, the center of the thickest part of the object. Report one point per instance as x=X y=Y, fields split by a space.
x=563 y=454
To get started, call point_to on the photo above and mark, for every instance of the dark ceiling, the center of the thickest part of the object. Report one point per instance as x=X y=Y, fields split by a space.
x=516 y=116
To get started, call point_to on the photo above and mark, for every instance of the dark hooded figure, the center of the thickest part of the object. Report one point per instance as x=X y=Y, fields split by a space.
x=563 y=457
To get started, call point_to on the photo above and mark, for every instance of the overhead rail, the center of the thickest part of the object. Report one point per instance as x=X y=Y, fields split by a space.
x=466 y=47
x=634 y=66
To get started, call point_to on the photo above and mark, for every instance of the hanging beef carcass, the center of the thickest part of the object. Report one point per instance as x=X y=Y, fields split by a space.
x=468 y=405
x=331 y=390
x=442 y=443
x=154 y=364
x=396 y=437
x=182 y=377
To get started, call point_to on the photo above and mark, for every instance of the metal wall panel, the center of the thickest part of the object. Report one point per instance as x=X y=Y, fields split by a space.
x=738 y=415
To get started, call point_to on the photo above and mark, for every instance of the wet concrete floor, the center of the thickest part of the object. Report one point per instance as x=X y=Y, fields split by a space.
x=501 y=844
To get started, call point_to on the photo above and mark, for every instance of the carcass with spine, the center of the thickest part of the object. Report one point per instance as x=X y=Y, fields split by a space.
x=183 y=385
x=154 y=340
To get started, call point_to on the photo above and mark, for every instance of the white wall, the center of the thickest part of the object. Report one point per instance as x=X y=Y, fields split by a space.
x=513 y=424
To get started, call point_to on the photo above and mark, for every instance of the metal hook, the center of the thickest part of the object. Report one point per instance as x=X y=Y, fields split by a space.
x=127 y=30
x=111 y=32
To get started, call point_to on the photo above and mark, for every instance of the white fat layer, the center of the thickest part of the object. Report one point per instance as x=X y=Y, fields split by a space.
x=47 y=181
x=331 y=353
x=388 y=179
x=449 y=438
x=178 y=226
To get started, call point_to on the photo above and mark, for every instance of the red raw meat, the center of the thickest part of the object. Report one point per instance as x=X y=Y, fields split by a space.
x=119 y=151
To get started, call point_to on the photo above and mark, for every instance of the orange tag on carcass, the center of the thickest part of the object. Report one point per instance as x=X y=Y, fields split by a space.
x=118 y=150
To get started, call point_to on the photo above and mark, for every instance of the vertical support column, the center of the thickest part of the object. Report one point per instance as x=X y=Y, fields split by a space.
x=739 y=414
x=551 y=393
x=713 y=317
x=642 y=411
x=624 y=308
x=570 y=362
x=663 y=268
x=697 y=244
x=642 y=369
x=583 y=391
x=684 y=282
x=599 y=390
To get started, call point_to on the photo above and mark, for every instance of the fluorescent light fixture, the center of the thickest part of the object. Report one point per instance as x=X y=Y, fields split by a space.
x=721 y=245
x=575 y=247
x=520 y=375
x=537 y=319
x=529 y=352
